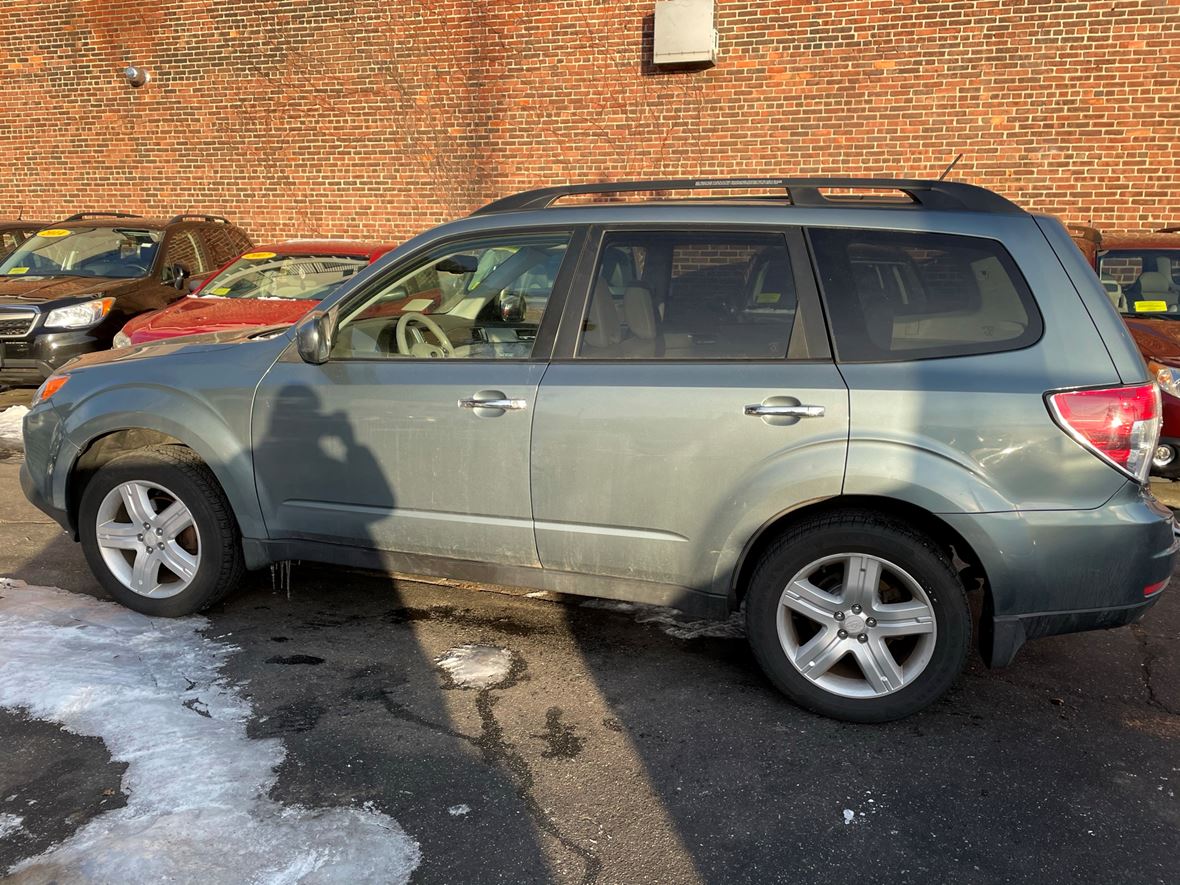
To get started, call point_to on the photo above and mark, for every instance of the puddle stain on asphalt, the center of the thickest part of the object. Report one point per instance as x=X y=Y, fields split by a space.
x=308 y=660
x=562 y=739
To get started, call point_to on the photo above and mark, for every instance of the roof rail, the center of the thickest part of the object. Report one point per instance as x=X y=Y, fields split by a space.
x=1085 y=232
x=217 y=219
x=1168 y=230
x=946 y=195
x=80 y=216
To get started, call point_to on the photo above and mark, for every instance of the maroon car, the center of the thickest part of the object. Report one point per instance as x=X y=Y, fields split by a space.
x=267 y=286
x=1141 y=274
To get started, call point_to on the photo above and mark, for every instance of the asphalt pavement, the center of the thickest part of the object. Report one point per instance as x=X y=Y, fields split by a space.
x=625 y=746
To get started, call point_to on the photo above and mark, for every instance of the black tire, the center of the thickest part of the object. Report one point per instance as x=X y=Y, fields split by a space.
x=854 y=531
x=180 y=470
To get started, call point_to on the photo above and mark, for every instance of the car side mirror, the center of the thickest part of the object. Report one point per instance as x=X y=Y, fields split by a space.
x=176 y=274
x=512 y=306
x=313 y=338
x=194 y=283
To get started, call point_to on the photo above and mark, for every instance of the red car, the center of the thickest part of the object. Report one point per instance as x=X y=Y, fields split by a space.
x=1141 y=274
x=267 y=286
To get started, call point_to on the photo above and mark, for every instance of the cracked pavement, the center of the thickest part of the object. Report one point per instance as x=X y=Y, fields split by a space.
x=615 y=752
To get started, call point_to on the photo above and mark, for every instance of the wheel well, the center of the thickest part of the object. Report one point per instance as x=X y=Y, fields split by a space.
x=101 y=450
x=942 y=533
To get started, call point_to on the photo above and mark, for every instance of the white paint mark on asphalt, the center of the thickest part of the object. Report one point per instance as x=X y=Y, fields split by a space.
x=675 y=623
x=477 y=666
x=197 y=787
x=10 y=825
x=459 y=810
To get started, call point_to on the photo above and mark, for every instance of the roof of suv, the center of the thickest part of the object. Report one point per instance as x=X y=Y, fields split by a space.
x=120 y=219
x=893 y=193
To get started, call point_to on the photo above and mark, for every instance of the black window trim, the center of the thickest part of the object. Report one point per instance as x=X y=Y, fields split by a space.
x=577 y=304
x=554 y=307
x=1027 y=298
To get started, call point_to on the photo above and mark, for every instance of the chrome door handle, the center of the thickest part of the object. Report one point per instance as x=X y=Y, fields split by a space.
x=760 y=410
x=507 y=405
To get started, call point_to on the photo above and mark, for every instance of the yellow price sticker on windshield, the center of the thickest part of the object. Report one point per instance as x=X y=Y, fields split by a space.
x=220 y=290
x=17 y=270
x=53 y=232
x=768 y=298
x=258 y=256
x=1151 y=306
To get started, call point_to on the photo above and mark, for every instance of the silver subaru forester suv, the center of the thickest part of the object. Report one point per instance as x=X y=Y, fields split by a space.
x=839 y=405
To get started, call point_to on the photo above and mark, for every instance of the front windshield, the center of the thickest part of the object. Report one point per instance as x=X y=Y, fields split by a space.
x=1142 y=281
x=267 y=275
x=121 y=252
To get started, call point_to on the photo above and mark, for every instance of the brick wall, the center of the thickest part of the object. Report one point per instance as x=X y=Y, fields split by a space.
x=377 y=118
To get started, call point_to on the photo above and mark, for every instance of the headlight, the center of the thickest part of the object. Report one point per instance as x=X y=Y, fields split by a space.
x=1166 y=377
x=79 y=316
x=122 y=339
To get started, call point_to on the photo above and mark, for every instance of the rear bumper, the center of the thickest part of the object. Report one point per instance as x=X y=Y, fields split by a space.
x=1063 y=571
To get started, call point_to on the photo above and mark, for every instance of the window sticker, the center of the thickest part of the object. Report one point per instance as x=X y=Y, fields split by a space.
x=53 y=232
x=220 y=290
x=18 y=270
x=1151 y=307
x=768 y=297
x=258 y=256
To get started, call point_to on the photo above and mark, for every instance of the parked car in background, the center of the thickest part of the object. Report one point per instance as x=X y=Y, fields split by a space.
x=266 y=286
x=837 y=415
x=70 y=287
x=13 y=233
x=1140 y=273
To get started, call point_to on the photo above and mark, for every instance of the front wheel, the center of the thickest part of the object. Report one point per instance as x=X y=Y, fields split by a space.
x=859 y=617
x=158 y=532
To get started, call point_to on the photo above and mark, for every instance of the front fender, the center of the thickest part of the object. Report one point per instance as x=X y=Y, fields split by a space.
x=218 y=431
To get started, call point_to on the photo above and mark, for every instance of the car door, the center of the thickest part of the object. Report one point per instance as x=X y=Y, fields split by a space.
x=414 y=436
x=693 y=404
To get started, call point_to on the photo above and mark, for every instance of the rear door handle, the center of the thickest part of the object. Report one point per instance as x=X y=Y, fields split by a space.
x=761 y=410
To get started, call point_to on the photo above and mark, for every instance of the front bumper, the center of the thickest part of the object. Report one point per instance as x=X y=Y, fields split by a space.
x=39 y=356
x=29 y=486
x=1064 y=571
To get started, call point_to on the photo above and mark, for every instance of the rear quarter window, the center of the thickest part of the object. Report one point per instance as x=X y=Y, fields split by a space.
x=899 y=295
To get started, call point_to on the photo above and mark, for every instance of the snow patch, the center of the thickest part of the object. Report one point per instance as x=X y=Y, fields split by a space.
x=477 y=666
x=459 y=810
x=197 y=787
x=11 y=432
x=674 y=622
x=849 y=816
x=10 y=825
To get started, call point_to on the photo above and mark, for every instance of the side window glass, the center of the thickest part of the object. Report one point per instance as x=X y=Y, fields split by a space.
x=895 y=295
x=182 y=250
x=479 y=300
x=690 y=296
x=219 y=246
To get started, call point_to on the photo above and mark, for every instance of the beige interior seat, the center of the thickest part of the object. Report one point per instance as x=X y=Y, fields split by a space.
x=603 y=330
x=644 y=339
x=1155 y=286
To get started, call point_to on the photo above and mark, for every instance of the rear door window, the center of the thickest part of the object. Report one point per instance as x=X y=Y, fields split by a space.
x=898 y=295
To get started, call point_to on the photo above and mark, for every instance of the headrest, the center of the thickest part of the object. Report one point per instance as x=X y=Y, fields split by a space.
x=640 y=311
x=602 y=326
x=1153 y=281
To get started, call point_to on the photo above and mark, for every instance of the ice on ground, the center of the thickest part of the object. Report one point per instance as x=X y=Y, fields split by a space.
x=675 y=623
x=11 y=432
x=477 y=666
x=10 y=824
x=197 y=787
x=459 y=810
x=849 y=816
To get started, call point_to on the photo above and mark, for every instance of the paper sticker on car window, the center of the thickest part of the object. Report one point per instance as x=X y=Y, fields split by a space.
x=53 y=232
x=1151 y=306
x=257 y=256
x=768 y=297
x=18 y=270
x=220 y=290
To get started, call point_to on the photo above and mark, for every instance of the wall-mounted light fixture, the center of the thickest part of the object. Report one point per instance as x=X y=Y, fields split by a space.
x=136 y=76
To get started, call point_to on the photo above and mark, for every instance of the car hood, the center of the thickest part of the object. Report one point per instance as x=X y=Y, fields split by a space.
x=180 y=344
x=193 y=315
x=32 y=290
x=1157 y=339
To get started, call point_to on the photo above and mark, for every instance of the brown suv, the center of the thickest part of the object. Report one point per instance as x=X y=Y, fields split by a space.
x=68 y=288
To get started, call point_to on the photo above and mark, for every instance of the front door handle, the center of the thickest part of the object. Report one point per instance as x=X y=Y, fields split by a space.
x=493 y=400
x=763 y=410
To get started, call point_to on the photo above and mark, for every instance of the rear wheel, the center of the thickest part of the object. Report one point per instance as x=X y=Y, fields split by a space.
x=859 y=617
x=158 y=532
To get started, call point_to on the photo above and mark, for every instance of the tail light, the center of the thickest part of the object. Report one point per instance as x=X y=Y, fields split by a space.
x=1121 y=425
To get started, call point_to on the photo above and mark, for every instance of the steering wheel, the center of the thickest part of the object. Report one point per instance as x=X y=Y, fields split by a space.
x=421 y=347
